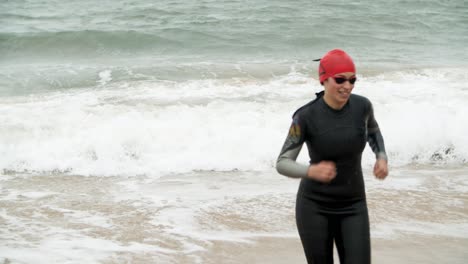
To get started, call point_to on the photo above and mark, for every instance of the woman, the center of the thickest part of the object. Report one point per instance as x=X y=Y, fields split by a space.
x=331 y=201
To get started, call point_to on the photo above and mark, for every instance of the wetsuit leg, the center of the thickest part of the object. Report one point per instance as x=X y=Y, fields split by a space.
x=353 y=236
x=315 y=231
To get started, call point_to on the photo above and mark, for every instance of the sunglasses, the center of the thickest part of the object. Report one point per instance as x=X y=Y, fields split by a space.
x=341 y=80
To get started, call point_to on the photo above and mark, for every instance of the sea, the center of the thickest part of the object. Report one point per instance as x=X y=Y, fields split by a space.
x=140 y=131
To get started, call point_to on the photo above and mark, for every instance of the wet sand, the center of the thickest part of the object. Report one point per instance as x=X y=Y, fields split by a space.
x=413 y=249
x=417 y=216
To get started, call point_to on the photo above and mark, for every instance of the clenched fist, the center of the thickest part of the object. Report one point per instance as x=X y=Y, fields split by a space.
x=324 y=171
x=380 y=169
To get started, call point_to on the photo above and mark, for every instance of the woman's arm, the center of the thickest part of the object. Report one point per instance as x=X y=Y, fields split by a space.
x=376 y=142
x=286 y=163
x=374 y=136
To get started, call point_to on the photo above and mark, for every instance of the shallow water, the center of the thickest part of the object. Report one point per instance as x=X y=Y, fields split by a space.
x=173 y=218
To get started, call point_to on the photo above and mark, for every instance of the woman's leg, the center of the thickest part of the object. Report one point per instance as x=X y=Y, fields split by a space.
x=353 y=236
x=314 y=230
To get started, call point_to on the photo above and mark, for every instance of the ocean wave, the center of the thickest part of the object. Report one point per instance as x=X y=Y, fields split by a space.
x=87 y=43
x=23 y=79
x=34 y=17
x=169 y=42
x=231 y=30
x=163 y=127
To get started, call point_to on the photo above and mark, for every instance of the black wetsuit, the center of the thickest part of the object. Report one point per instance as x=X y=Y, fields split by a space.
x=334 y=211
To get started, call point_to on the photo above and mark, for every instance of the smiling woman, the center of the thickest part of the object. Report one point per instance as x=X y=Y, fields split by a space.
x=331 y=202
x=338 y=89
x=337 y=74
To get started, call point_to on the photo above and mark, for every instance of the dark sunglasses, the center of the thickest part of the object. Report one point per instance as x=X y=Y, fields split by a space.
x=341 y=80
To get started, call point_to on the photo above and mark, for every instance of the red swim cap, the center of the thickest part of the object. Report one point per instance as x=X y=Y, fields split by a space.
x=334 y=62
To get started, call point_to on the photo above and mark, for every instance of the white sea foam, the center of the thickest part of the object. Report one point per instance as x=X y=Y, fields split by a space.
x=35 y=195
x=154 y=128
x=394 y=230
x=73 y=248
x=105 y=77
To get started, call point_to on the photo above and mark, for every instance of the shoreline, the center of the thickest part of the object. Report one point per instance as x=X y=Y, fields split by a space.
x=416 y=216
x=410 y=249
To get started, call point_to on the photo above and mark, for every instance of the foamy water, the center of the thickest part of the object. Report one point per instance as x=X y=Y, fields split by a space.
x=176 y=218
x=153 y=128
x=152 y=171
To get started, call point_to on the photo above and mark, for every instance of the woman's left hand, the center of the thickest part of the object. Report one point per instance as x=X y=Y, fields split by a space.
x=380 y=169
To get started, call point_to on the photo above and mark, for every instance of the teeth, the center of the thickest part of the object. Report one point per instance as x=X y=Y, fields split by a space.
x=343 y=93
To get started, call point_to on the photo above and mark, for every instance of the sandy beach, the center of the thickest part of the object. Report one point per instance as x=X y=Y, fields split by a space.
x=237 y=218
x=408 y=250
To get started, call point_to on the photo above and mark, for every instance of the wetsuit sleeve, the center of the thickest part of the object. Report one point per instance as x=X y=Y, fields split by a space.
x=374 y=136
x=286 y=163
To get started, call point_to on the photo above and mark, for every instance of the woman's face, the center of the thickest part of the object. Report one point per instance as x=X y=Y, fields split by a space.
x=336 y=94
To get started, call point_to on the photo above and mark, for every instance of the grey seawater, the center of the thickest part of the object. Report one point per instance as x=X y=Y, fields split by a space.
x=46 y=42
